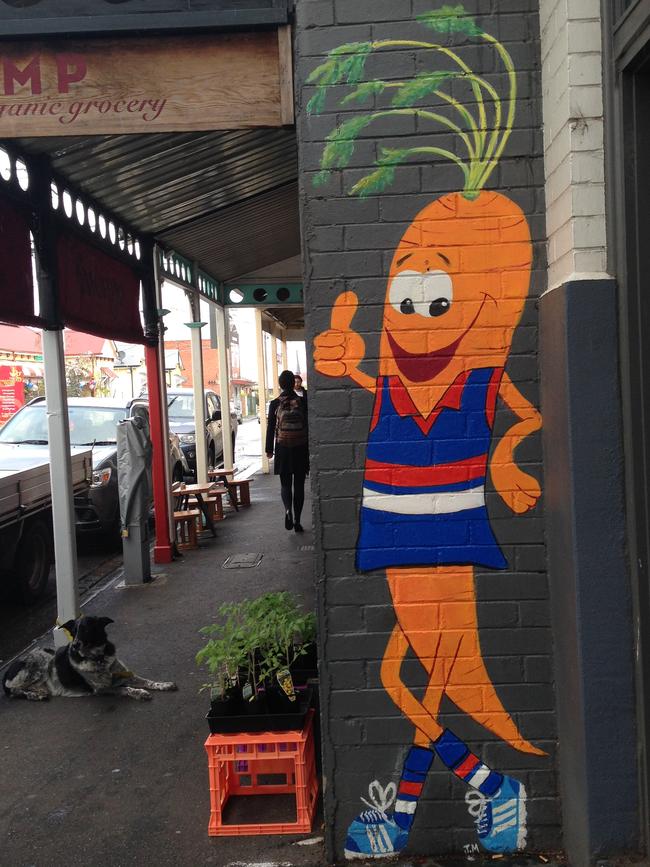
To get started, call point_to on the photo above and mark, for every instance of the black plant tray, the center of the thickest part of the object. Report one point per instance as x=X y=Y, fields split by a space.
x=258 y=719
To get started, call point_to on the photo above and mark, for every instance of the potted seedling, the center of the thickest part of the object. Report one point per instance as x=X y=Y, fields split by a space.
x=249 y=654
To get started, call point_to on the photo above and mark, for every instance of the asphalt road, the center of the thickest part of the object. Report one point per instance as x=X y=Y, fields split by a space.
x=97 y=559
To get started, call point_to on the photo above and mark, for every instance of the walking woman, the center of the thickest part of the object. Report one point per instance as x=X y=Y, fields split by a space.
x=286 y=435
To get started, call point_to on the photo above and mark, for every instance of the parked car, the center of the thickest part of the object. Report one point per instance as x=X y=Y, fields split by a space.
x=93 y=423
x=235 y=412
x=180 y=410
x=268 y=410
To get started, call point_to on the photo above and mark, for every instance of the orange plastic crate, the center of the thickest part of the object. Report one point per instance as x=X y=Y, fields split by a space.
x=237 y=761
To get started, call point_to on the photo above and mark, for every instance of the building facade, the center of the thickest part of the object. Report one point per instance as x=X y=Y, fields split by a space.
x=471 y=181
x=561 y=623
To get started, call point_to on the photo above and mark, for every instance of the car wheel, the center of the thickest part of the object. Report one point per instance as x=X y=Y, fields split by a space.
x=177 y=475
x=33 y=561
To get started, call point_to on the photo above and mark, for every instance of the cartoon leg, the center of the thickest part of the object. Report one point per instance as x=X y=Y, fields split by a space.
x=375 y=833
x=437 y=614
x=436 y=610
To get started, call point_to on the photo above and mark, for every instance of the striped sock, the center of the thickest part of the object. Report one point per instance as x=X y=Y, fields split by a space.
x=467 y=767
x=417 y=764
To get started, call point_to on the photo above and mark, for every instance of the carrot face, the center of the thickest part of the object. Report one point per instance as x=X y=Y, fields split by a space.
x=457 y=286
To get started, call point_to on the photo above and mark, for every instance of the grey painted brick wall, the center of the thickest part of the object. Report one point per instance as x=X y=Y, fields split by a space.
x=348 y=244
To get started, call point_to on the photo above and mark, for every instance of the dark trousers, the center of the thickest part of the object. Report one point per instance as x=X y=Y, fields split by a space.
x=295 y=497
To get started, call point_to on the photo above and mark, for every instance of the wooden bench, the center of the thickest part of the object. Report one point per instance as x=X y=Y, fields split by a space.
x=185 y=529
x=238 y=486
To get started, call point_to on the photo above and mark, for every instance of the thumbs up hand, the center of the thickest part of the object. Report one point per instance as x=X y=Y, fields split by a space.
x=339 y=350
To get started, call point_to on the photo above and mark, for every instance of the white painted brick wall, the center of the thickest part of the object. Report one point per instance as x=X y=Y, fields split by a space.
x=573 y=139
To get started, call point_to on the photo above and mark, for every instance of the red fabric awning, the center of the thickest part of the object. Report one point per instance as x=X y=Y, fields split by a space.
x=16 y=288
x=97 y=293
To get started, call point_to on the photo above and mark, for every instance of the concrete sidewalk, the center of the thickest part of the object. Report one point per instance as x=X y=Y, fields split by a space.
x=106 y=782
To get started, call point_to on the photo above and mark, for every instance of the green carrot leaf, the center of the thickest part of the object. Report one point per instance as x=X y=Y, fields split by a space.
x=422 y=85
x=384 y=174
x=345 y=65
x=375 y=182
x=340 y=142
x=317 y=103
x=450 y=19
x=364 y=92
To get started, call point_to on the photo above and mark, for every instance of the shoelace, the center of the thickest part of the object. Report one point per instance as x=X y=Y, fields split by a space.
x=477 y=805
x=381 y=800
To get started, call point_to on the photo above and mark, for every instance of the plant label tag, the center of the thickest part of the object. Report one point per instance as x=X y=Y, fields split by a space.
x=286 y=683
x=247 y=692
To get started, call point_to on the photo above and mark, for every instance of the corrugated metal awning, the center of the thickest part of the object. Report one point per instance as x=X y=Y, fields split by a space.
x=227 y=200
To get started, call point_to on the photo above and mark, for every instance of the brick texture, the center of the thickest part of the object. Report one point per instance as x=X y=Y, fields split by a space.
x=571 y=50
x=348 y=244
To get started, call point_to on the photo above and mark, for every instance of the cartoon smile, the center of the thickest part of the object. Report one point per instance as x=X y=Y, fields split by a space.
x=423 y=367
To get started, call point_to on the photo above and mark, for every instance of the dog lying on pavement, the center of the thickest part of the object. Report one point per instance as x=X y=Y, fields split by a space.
x=86 y=666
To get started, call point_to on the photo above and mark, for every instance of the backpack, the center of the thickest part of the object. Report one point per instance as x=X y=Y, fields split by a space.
x=291 y=421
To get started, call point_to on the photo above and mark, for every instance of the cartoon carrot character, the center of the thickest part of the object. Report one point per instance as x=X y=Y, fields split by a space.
x=457 y=286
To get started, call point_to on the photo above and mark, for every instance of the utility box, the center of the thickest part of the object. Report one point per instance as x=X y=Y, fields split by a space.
x=134 y=487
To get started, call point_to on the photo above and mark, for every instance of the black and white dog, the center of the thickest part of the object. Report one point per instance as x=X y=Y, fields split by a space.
x=86 y=666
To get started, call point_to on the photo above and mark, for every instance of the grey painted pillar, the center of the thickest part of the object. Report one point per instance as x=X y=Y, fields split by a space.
x=588 y=572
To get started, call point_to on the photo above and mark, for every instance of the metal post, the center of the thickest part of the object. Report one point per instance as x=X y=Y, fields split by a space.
x=261 y=381
x=65 y=543
x=224 y=386
x=154 y=355
x=285 y=360
x=199 y=395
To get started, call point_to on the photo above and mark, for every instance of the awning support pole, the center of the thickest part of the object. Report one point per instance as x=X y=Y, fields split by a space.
x=163 y=551
x=65 y=542
x=224 y=385
x=199 y=392
x=56 y=399
x=261 y=381
x=285 y=360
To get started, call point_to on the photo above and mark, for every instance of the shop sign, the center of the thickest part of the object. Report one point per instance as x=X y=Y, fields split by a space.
x=166 y=84
x=12 y=391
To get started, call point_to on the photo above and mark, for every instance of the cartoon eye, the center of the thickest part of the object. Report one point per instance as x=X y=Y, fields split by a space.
x=439 y=307
x=427 y=293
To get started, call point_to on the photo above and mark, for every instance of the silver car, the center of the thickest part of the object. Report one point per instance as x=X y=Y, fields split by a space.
x=93 y=423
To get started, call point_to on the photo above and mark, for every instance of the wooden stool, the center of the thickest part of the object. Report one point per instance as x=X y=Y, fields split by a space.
x=215 y=503
x=242 y=491
x=185 y=526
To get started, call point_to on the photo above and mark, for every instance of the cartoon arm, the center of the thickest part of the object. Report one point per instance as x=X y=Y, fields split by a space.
x=518 y=490
x=339 y=351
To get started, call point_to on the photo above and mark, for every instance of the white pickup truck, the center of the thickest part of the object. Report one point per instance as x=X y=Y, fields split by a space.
x=26 y=544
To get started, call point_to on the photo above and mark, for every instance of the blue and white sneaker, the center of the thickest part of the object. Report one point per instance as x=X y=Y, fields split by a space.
x=374 y=834
x=500 y=819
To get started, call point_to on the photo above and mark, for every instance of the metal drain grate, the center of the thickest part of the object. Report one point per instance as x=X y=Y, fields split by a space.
x=242 y=561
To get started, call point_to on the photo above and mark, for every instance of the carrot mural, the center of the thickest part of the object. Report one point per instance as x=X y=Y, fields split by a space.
x=457 y=286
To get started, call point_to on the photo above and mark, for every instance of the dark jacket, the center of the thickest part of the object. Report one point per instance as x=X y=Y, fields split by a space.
x=287 y=459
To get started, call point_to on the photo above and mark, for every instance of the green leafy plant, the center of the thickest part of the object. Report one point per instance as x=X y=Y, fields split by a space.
x=483 y=127
x=255 y=639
